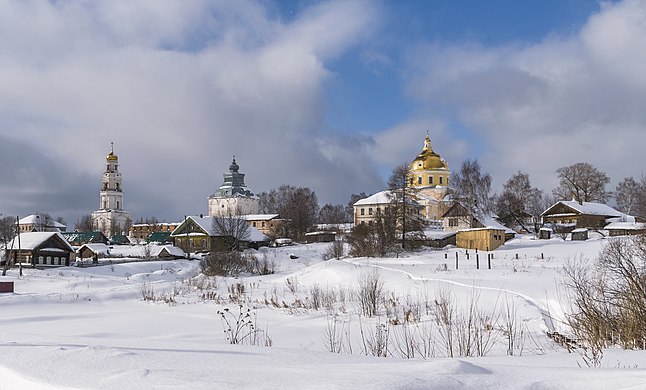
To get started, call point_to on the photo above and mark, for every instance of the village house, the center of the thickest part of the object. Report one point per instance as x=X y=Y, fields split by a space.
x=141 y=231
x=201 y=234
x=40 y=223
x=366 y=210
x=566 y=216
x=40 y=249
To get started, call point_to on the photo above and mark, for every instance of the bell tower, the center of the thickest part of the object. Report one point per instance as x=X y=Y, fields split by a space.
x=110 y=218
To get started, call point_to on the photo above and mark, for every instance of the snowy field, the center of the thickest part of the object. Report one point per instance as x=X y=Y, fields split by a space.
x=87 y=328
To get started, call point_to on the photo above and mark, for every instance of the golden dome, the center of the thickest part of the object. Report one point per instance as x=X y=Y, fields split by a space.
x=111 y=156
x=428 y=159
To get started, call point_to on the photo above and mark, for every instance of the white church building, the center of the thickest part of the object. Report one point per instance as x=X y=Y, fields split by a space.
x=110 y=218
x=233 y=197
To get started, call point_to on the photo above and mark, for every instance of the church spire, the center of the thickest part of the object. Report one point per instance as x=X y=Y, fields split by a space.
x=427 y=142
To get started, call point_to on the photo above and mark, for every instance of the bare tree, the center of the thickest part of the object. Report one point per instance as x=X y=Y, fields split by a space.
x=299 y=205
x=517 y=199
x=608 y=300
x=631 y=196
x=472 y=187
x=332 y=214
x=233 y=228
x=371 y=291
x=8 y=231
x=582 y=182
x=84 y=224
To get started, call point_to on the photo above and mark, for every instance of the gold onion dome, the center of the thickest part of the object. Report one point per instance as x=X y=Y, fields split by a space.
x=428 y=158
x=111 y=156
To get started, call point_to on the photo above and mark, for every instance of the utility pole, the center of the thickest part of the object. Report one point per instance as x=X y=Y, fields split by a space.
x=18 y=254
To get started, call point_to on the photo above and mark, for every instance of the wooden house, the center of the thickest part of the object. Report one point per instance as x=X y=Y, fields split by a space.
x=566 y=216
x=200 y=234
x=484 y=239
x=267 y=224
x=40 y=249
x=457 y=217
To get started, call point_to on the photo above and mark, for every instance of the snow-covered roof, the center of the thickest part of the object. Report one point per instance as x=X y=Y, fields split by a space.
x=383 y=197
x=97 y=248
x=35 y=219
x=579 y=230
x=435 y=234
x=490 y=222
x=31 y=240
x=171 y=250
x=260 y=217
x=588 y=208
x=626 y=226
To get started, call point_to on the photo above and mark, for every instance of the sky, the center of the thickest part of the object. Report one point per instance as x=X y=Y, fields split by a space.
x=325 y=94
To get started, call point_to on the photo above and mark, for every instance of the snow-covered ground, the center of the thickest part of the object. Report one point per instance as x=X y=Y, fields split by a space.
x=92 y=328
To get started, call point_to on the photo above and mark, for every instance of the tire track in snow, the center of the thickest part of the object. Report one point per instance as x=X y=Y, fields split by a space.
x=547 y=318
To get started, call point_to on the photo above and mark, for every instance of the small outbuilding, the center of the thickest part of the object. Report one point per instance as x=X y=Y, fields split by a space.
x=580 y=234
x=544 y=233
x=322 y=236
x=95 y=251
x=170 y=252
x=484 y=239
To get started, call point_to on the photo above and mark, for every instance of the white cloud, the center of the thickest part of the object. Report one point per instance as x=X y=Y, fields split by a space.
x=539 y=107
x=179 y=87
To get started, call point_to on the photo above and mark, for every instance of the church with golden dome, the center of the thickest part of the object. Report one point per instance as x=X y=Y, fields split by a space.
x=429 y=173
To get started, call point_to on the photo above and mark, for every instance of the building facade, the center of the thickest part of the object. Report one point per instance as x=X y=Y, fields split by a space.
x=111 y=218
x=429 y=175
x=233 y=197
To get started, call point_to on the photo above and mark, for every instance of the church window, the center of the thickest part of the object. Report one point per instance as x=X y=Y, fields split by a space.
x=369 y=210
x=363 y=211
x=117 y=205
x=441 y=179
x=419 y=180
x=430 y=180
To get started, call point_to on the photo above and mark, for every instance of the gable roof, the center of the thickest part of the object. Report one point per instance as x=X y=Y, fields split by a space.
x=35 y=219
x=587 y=208
x=97 y=248
x=171 y=250
x=31 y=240
x=260 y=217
x=383 y=197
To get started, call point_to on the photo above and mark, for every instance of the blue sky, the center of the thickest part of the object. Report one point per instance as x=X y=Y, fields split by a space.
x=326 y=94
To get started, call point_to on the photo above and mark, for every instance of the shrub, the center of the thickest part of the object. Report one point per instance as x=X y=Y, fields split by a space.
x=234 y=263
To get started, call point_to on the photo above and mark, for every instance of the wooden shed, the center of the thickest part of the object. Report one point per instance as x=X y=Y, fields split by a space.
x=580 y=234
x=322 y=236
x=484 y=239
